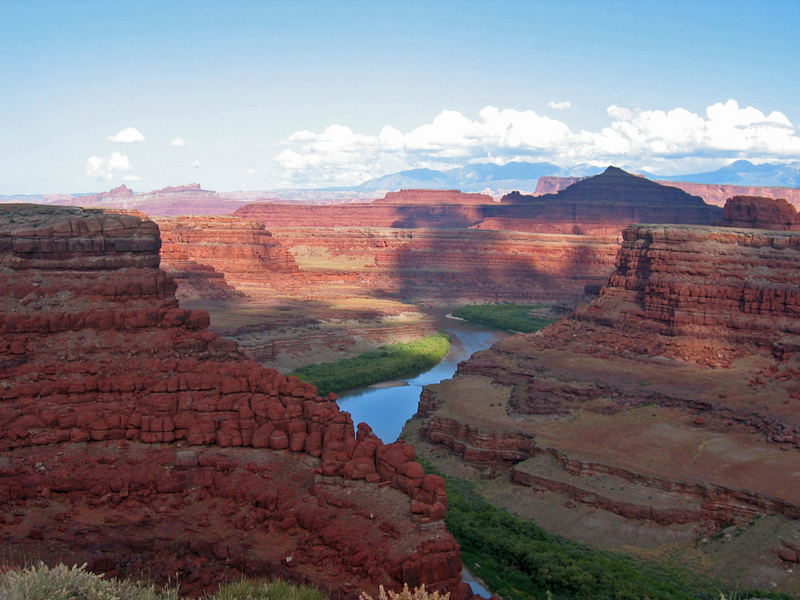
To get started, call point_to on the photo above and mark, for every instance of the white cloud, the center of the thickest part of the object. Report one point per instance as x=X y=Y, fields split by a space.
x=669 y=141
x=197 y=163
x=560 y=105
x=131 y=178
x=104 y=168
x=178 y=141
x=129 y=135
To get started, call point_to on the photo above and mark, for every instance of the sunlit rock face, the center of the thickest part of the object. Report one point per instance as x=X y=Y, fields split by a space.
x=134 y=439
x=660 y=413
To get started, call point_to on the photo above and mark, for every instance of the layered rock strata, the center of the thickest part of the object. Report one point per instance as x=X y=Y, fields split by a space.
x=198 y=251
x=136 y=440
x=761 y=213
x=602 y=205
x=665 y=410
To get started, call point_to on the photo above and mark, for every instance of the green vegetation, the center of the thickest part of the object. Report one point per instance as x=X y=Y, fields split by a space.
x=512 y=317
x=41 y=582
x=255 y=589
x=519 y=560
x=388 y=362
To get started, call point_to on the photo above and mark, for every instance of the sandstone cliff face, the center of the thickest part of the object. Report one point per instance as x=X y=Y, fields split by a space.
x=761 y=213
x=198 y=251
x=134 y=439
x=662 y=411
x=602 y=205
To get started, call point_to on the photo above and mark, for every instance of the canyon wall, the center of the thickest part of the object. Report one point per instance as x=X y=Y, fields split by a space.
x=761 y=213
x=662 y=412
x=712 y=193
x=134 y=439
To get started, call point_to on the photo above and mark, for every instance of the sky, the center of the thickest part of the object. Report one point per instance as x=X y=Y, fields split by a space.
x=264 y=95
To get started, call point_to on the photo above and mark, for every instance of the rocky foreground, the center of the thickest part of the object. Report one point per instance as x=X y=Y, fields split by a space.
x=662 y=418
x=134 y=439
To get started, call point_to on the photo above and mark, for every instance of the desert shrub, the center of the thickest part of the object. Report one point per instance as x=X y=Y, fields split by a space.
x=255 y=589
x=388 y=362
x=41 y=582
x=512 y=317
x=517 y=559
x=406 y=594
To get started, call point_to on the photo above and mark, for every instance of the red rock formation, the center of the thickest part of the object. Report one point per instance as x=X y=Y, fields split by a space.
x=551 y=184
x=600 y=205
x=670 y=400
x=136 y=440
x=428 y=197
x=761 y=213
x=712 y=193
x=446 y=266
x=198 y=251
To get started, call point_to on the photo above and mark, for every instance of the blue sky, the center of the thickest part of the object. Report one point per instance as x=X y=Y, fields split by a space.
x=258 y=95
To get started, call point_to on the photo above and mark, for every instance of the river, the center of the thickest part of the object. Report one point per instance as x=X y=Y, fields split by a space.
x=387 y=406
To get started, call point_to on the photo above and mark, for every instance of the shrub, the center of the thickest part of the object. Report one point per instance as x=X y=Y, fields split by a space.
x=406 y=594
x=41 y=582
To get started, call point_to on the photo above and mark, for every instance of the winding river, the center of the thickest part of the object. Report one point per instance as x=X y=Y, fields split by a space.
x=387 y=406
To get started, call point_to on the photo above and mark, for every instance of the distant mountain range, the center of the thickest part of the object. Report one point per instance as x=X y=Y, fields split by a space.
x=523 y=176
x=475 y=178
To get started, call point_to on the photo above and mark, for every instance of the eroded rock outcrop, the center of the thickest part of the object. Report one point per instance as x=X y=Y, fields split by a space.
x=665 y=410
x=136 y=440
x=758 y=212
x=198 y=251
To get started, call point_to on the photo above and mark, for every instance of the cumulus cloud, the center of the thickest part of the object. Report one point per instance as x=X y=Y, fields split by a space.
x=178 y=141
x=559 y=105
x=129 y=135
x=196 y=164
x=668 y=140
x=104 y=168
x=131 y=178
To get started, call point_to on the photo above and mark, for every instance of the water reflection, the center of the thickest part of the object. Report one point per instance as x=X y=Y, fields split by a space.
x=386 y=409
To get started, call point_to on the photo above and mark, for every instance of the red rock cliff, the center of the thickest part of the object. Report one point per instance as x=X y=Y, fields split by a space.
x=134 y=439
x=761 y=213
x=663 y=410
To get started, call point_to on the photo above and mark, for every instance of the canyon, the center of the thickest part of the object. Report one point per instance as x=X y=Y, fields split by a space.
x=134 y=439
x=661 y=417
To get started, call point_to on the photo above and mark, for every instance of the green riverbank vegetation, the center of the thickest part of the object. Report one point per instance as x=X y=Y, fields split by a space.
x=386 y=363
x=520 y=561
x=511 y=317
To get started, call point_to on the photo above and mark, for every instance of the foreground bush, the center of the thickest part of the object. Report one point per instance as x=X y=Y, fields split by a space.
x=511 y=317
x=389 y=362
x=406 y=594
x=41 y=582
